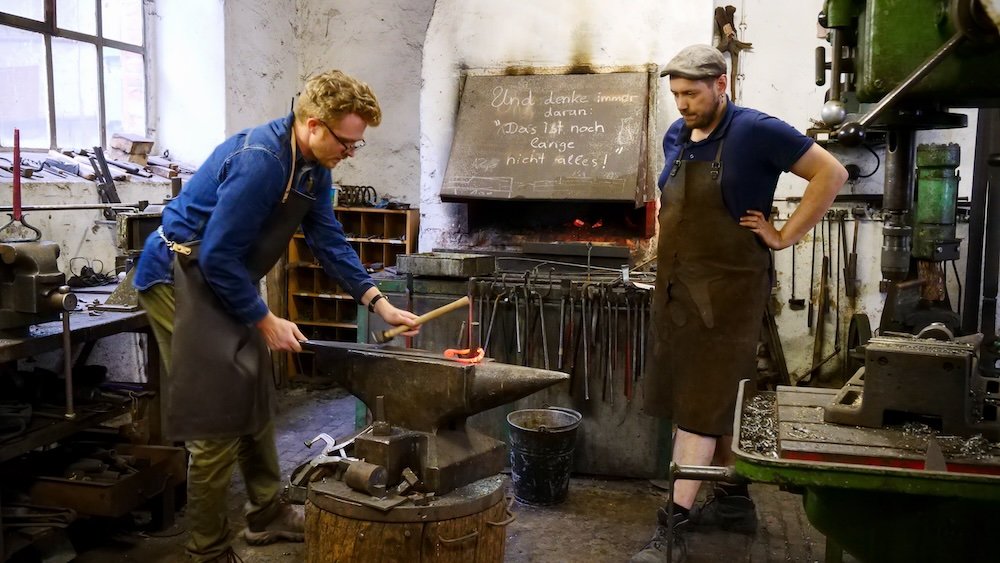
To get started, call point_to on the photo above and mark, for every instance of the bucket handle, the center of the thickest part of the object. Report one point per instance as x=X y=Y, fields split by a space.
x=510 y=515
x=459 y=539
x=570 y=412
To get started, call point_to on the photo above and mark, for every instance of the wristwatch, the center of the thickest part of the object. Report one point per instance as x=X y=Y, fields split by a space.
x=371 y=304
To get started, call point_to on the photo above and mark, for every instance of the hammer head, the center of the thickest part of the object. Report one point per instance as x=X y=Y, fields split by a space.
x=381 y=337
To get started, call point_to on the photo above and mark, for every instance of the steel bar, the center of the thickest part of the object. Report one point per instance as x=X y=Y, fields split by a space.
x=913 y=78
x=68 y=364
x=74 y=207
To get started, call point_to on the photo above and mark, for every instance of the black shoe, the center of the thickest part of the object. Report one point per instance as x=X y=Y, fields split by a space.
x=681 y=521
x=734 y=513
x=656 y=550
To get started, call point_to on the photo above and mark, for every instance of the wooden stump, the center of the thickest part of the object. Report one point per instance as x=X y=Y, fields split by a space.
x=476 y=538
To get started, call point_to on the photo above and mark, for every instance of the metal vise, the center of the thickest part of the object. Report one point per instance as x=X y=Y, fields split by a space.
x=910 y=378
x=421 y=402
x=32 y=289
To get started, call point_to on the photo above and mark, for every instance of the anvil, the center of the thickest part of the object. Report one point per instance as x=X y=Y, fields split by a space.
x=421 y=401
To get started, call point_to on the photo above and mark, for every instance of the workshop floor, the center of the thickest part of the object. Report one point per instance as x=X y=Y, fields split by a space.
x=602 y=520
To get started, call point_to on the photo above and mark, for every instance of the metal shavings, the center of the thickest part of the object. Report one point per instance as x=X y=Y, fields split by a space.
x=798 y=432
x=917 y=429
x=759 y=426
x=976 y=447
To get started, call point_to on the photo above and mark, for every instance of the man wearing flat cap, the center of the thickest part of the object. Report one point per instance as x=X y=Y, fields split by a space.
x=722 y=164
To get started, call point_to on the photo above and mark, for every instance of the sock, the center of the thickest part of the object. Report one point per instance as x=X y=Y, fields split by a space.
x=679 y=511
x=681 y=515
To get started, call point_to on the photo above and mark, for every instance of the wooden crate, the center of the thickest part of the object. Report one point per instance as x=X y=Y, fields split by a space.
x=166 y=470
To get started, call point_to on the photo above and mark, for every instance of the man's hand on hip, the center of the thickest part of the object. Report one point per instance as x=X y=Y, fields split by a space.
x=281 y=335
x=756 y=222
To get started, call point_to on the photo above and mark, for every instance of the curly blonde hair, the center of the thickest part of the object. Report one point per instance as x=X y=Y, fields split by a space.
x=333 y=94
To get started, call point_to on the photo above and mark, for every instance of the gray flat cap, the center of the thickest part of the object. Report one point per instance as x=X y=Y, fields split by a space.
x=696 y=62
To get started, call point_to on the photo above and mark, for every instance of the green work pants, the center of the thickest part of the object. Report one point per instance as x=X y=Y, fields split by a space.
x=210 y=468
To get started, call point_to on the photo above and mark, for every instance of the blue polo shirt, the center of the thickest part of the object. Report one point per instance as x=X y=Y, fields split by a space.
x=225 y=205
x=758 y=149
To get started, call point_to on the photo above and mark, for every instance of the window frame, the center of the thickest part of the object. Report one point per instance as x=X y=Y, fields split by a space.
x=49 y=29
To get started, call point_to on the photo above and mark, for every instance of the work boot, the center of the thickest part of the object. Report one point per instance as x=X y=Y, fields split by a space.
x=288 y=524
x=731 y=512
x=656 y=550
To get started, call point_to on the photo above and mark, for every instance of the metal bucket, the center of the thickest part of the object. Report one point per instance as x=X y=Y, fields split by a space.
x=541 y=453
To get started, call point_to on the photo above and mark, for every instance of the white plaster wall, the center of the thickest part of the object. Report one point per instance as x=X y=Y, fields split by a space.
x=381 y=44
x=188 y=71
x=261 y=62
x=488 y=36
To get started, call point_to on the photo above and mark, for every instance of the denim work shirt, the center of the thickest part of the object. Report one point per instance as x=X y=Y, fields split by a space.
x=225 y=205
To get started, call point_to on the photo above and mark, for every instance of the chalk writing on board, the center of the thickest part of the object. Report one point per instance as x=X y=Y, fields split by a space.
x=549 y=137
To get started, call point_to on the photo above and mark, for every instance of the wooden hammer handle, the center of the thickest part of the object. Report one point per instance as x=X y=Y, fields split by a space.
x=397 y=330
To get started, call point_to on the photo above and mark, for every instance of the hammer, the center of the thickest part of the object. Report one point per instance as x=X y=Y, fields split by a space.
x=387 y=335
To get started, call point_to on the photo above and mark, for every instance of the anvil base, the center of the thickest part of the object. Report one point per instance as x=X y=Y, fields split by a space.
x=443 y=461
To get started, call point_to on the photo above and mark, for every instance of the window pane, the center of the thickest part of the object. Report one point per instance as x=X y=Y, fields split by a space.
x=77 y=15
x=75 y=68
x=34 y=9
x=124 y=92
x=24 y=98
x=122 y=20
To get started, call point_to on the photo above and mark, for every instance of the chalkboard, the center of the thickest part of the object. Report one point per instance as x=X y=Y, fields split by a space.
x=550 y=137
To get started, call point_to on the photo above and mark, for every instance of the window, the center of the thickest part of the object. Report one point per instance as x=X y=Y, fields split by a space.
x=72 y=72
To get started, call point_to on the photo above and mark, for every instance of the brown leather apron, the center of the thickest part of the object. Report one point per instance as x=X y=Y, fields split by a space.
x=712 y=285
x=221 y=380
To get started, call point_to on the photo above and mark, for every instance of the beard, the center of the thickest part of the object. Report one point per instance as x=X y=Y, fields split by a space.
x=704 y=119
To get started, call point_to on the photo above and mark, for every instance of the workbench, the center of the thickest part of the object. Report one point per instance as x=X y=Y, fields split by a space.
x=85 y=327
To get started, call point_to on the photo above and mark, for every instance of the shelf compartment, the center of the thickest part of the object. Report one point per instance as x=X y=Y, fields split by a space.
x=327 y=285
x=302 y=280
x=373 y=225
x=301 y=308
x=395 y=227
x=299 y=251
x=337 y=311
x=352 y=222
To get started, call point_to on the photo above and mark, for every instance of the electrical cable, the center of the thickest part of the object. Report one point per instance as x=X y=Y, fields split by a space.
x=878 y=162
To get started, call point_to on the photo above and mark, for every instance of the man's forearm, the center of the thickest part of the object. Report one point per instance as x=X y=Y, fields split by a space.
x=816 y=200
x=826 y=175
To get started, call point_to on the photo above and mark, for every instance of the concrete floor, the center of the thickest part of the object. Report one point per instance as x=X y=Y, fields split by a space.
x=602 y=520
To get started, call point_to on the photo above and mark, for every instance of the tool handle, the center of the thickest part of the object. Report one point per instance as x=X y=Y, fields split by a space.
x=397 y=330
x=16 y=196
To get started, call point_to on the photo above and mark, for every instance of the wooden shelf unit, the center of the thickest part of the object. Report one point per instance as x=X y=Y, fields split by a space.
x=316 y=303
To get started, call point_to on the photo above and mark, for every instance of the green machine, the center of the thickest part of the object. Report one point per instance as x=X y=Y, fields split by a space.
x=911 y=59
x=896 y=67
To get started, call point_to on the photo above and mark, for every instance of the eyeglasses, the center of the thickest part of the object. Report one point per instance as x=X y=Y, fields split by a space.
x=347 y=147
